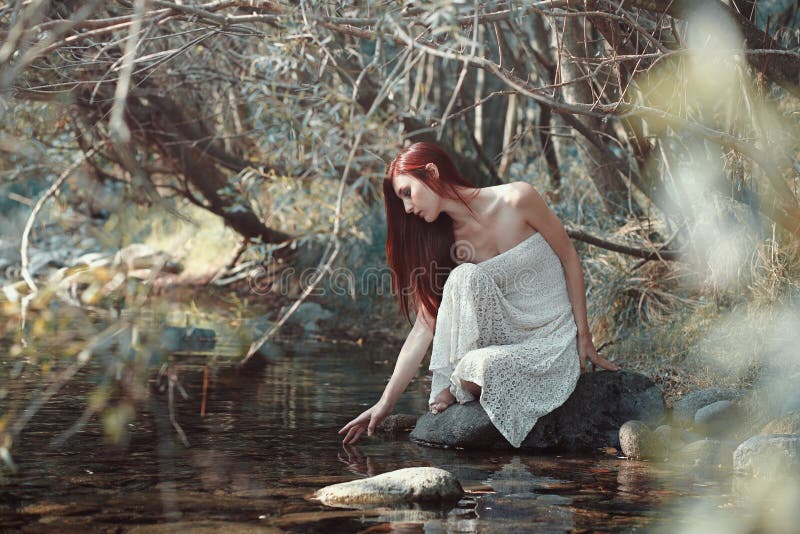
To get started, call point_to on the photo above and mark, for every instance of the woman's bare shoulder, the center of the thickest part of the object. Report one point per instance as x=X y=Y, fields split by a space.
x=518 y=190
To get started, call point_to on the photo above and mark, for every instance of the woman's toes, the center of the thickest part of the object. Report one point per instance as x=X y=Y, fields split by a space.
x=438 y=407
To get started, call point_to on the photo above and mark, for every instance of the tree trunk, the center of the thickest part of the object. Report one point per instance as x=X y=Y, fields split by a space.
x=602 y=170
x=199 y=169
x=544 y=123
x=193 y=151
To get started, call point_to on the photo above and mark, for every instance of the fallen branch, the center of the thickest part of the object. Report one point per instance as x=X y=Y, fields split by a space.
x=660 y=253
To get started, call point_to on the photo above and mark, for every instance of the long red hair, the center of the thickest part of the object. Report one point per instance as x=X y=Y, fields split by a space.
x=419 y=253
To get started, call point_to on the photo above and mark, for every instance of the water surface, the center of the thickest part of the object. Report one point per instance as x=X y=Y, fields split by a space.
x=269 y=438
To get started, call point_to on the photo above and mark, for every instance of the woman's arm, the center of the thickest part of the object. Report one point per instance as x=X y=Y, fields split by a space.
x=411 y=354
x=541 y=218
x=417 y=343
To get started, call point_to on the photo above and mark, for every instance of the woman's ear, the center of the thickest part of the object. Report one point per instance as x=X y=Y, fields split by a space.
x=432 y=171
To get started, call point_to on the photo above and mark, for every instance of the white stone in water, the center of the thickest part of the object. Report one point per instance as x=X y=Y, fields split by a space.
x=412 y=484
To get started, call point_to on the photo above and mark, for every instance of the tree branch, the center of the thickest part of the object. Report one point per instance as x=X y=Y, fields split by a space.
x=661 y=253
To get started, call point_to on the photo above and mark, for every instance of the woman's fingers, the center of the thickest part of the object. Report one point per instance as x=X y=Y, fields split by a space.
x=605 y=364
x=356 y=427
x=349 y=435
x=353 y=435
x=372 y=425
x=348 y=426
x=357 y=421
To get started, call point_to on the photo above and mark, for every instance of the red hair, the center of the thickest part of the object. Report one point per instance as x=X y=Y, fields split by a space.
x=419 y=253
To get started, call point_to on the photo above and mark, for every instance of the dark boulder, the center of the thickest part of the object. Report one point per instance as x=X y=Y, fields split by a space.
x=601 y=403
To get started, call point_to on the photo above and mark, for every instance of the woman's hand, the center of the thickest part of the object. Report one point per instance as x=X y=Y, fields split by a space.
x=586 y=351
x=368 y=420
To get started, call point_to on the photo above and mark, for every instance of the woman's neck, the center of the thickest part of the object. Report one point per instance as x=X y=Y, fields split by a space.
x=461 y=215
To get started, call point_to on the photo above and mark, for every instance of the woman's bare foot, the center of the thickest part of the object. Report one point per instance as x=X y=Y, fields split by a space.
x=442 y=401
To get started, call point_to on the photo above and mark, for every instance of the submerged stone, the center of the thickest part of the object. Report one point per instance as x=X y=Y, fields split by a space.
x=589 y=419
x=412 y=484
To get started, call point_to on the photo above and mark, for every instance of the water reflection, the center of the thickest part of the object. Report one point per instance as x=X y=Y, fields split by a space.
x=268 y=439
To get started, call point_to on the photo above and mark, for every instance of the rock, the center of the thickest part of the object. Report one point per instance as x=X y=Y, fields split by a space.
x=308 y=314
x=670 y=437
x=460 y=425
x=179 y=339
x=412 y=484
x=397 y=424
x=638 y=442
x=687 y=436
x=788 y=424
x=706 y=453
x=137 y=256
x=718 y=419
x=768 y=456
x=39 y=260
x=684 y=410
x=590 y=419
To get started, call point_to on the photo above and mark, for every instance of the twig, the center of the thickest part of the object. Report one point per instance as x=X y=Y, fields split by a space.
x=460 y=82
x=323 y=265
x=173 y=379
x=205 y=391
x=119 y=129
x=26 y=232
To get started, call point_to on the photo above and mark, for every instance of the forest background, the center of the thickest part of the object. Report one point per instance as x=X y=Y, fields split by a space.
x=149 y=145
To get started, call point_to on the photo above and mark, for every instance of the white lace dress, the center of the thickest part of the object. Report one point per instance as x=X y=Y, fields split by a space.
x=506 y=324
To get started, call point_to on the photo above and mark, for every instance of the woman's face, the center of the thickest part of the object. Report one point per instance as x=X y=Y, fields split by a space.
x=418 y=199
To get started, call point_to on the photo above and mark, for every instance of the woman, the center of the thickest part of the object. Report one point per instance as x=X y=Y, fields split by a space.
x=497 y=287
